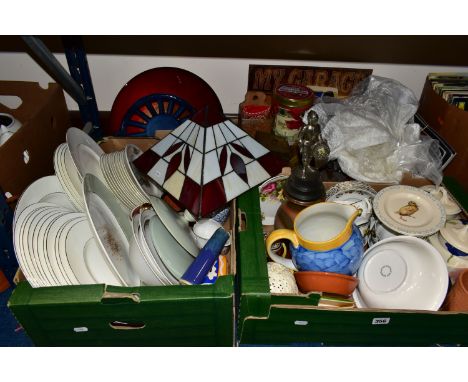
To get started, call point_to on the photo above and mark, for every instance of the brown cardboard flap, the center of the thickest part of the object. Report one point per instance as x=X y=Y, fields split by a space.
x=28 y=154
x=451 y=124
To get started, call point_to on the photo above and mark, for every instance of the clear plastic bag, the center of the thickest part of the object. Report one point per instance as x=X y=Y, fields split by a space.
x=372 y=136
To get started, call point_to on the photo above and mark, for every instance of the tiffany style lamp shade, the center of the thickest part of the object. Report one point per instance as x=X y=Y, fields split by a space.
x=206 y=167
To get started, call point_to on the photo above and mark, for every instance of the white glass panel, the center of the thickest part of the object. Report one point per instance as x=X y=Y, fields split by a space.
x=228 y=135
x=234 y=186
x=209 y=140
x=193 y=137
x=255 y=148
x=211 y=167
x=195 y=167
x=181 y=128
x=186 y=133
x=256 y=174
x=238 y=132
x=161 y=147
x=200 y=139
x=174 y=184
x=220 y=141
x=158 y=172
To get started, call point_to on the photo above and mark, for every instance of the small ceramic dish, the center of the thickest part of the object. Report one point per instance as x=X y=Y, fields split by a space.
x=402 y=272
x=409 y=210
x=328 y=282
x=204 y=229
x=455 y=234
x=439 y=243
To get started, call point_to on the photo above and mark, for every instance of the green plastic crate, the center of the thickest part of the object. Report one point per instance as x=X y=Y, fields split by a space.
x=96 y=315
x=281 y=320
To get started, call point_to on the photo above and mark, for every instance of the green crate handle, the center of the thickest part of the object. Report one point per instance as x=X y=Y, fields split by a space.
x=135 y=297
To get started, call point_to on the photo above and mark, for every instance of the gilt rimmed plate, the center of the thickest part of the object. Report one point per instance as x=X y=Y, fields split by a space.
x=409 y=210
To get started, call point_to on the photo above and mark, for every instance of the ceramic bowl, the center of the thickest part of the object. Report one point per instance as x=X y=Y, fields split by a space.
x=204 y=229
x=326 y=282
x=402 y=272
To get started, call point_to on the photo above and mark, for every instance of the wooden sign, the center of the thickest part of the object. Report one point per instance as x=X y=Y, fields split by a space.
x=267 y=77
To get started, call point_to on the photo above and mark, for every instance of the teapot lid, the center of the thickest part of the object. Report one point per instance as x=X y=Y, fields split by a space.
x=456 y=234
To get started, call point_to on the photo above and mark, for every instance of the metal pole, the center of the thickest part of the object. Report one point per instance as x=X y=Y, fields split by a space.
x=57 y=71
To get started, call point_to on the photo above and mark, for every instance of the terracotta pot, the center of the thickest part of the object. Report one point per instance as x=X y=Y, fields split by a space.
x=326 y=282
x=457 y=299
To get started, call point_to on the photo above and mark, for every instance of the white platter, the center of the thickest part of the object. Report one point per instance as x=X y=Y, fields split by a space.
x=428 y=214
x=76 y=138
x=111 y=227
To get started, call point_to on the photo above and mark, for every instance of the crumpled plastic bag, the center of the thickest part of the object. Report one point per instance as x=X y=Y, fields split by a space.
x=372 y=136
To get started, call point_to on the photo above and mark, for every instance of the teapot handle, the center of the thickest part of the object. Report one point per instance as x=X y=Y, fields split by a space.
x=277 y=235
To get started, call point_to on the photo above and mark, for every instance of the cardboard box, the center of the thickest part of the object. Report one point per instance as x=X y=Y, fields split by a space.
x=450 y=123
x=101 y=315
x=28 y=154
x=265 y=318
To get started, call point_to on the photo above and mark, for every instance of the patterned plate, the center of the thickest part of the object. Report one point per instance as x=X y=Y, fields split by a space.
x=409 y=210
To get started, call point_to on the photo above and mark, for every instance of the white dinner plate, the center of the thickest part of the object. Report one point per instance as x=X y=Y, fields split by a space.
x=47 y=190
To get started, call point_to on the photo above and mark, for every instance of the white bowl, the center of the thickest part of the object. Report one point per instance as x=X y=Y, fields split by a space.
x=402 y=272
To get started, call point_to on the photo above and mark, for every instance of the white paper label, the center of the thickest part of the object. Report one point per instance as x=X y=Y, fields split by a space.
x=301 y=323
x=80 y=329
x=381 y=321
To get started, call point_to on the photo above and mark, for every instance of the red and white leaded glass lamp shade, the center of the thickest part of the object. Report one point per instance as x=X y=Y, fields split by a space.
x=206 y=167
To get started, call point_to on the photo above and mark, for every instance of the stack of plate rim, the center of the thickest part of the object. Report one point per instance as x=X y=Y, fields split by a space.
x=45 y=229
x=68 y=175
x=124 y=180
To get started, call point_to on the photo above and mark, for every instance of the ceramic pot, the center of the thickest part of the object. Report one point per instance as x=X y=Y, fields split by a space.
x=323 y=239
x=457 y=299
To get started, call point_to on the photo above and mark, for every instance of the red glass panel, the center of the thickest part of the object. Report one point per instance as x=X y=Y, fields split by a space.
x=146 y=161
x=223 y=160
x=173 y=148
x=213 y=197
x=271 y=163
x=186 y=158
x=242 y=150
x=190 y=196
x=173 y=165
x=238 y=166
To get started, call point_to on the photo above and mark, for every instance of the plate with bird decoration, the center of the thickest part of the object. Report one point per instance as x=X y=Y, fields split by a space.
x=409 y=210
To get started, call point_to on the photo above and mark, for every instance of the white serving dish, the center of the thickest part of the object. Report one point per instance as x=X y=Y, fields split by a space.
x=402 y=272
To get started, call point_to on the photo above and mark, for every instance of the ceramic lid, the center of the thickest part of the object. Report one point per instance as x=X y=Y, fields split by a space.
x=440 y=193
x=456 y=234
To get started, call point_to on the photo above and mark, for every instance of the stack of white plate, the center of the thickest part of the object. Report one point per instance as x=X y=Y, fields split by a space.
x=159 y=257
x=53 y=243
x=124 y=180
x=68 y=175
